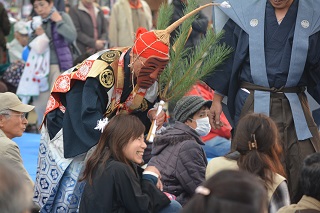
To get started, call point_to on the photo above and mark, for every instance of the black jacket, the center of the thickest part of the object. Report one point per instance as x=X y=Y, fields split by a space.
x=117 y=188
x=83 y=23
x=199 y=26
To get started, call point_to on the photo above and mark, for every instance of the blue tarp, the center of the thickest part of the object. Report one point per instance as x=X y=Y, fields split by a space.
x=29 y=147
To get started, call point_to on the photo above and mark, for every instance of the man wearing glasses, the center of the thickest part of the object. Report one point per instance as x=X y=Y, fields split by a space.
x=12 y=124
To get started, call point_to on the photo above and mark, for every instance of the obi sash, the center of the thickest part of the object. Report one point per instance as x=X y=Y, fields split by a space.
x=250 y=16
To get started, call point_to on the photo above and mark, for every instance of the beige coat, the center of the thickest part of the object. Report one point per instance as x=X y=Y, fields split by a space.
x=121 y=32
x=10 y=150
x=221 y=163
x=306 y=202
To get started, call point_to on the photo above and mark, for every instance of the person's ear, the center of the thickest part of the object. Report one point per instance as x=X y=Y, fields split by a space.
x=189 y=120
x=2 y=119
x=16 y=34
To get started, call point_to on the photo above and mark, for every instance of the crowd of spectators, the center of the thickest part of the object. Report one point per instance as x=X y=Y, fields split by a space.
x=259 y=152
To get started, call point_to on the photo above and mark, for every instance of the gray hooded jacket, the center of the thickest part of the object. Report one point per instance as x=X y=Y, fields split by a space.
x=181 y=160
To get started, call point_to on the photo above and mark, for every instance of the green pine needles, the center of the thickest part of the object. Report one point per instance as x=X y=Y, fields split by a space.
x=187 y=67
x=164 y=16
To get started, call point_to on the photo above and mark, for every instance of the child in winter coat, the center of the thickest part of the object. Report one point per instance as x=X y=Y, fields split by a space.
x=178 y=152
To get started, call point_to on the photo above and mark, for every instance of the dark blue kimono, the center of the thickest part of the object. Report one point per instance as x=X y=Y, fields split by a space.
x=278 y=44
x=275 y=55
x=67 y=138
x=85 y=104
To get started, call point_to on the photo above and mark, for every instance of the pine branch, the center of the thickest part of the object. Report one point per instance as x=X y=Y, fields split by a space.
x=180 y=52
x=164 y=16
x=184 y=70
x=206 y=57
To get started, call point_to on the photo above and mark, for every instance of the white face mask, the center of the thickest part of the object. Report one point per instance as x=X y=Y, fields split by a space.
x=203 y=126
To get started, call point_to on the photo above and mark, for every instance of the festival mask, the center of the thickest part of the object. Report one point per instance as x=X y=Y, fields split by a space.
x=150 y=71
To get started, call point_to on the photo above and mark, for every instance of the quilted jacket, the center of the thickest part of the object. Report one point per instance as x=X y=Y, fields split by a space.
x=179 y=156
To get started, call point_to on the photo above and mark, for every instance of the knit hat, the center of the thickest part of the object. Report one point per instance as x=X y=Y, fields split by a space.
x=147 y=44
x=187 y=106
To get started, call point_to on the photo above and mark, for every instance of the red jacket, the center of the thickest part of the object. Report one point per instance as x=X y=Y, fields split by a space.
x=201 y=89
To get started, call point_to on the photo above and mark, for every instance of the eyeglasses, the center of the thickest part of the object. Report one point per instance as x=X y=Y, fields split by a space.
x=22 y=116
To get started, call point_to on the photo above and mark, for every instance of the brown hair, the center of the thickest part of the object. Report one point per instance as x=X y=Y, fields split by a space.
x=230 y=191
x=264 y=159
x=33 y=1
x=116 y=135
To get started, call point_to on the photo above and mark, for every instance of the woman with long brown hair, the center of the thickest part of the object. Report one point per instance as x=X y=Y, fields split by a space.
x=257 y=151
x=115 y=182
